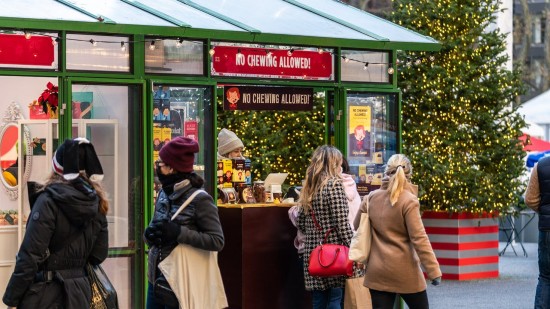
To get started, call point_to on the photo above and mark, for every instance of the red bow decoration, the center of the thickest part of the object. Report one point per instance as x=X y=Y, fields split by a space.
x=49 y=96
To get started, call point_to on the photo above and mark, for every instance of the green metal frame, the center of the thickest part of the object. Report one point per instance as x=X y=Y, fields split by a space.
x=138 y=76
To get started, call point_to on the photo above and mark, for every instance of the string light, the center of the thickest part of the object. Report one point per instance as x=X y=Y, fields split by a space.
x=179 y=43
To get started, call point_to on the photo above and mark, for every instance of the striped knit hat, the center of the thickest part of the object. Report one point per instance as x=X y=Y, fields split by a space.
x=75 y=156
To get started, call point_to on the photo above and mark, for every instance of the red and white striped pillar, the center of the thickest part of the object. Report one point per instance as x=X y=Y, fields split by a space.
x=465 y=244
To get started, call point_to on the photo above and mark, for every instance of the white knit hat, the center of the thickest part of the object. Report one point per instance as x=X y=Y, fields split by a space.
x=228 y=141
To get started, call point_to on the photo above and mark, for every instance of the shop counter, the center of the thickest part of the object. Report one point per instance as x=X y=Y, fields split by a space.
x=259 y=263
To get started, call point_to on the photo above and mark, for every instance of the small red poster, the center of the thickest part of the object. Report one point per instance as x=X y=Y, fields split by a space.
x=272 y=63
x=36 y=51
x=192 y=129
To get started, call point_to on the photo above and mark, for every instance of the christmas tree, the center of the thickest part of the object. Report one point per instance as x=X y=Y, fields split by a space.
x=460 y=126
x=278 y=141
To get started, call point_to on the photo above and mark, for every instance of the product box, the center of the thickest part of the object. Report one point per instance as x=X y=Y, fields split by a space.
x=238 y=170
x=219 y=173
x=362 y=173
x=377 y=158
x=247 y=172
x=157 y=139
x=227 y=173
x=166 y=134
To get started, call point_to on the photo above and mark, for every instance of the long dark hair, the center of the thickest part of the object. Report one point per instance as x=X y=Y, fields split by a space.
x=101 y=193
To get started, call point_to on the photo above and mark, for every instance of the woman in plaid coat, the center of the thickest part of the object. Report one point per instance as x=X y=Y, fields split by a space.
x=323 y=194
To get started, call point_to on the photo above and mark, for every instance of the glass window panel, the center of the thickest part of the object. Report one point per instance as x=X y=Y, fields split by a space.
x=97 y=53
x=119 y=12
x=189 y=15
x=104 y=114
x=282 y=18
x=101 y=113
x=172 y=56
x=355 y=68
x=372 y=136
x=36 y=9
x=366 y=21
x=180 y=111
x=119 y=270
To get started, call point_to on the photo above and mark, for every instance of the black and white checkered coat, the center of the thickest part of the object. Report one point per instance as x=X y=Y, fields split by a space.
x=331 y=210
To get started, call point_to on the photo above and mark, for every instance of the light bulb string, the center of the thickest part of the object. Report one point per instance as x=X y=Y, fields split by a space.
x=290 y=50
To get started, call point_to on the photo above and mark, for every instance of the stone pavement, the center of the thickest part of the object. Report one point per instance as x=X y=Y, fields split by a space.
x=514 y=289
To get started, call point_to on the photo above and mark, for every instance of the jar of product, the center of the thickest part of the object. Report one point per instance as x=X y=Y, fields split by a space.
x=259 y=191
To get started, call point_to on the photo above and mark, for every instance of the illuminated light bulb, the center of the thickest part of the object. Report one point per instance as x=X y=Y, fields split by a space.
x=290 y=51
x=94 y=43
x=122 y=46
x=390 y=70
x=27 y=35
x=179 y=43
x=152 y=46
x=320 y=51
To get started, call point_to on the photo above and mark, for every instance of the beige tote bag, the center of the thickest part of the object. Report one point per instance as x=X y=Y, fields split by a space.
x=194 y=275
x=359 y=248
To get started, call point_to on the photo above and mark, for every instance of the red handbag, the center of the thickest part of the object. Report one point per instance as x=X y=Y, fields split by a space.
x=329 y=260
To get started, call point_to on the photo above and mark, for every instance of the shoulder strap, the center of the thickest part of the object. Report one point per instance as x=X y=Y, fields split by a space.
x=187 y=202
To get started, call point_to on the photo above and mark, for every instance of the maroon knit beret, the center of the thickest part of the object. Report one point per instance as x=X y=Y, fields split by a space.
x=179 y=153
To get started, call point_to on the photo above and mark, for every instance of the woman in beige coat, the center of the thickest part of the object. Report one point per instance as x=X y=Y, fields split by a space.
x=399 y=242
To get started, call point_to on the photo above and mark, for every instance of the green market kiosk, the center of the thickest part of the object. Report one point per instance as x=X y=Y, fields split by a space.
x=131 y=74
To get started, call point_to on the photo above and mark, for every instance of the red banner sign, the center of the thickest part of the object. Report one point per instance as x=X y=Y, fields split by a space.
x=271 y=63
x=36 y=51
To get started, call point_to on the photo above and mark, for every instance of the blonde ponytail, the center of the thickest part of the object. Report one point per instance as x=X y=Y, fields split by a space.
x=399 y=171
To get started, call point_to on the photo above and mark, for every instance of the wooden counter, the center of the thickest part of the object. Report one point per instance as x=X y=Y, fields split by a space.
x=259 y=263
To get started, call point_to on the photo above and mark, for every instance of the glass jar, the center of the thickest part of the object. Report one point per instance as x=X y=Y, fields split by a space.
x=259 y=191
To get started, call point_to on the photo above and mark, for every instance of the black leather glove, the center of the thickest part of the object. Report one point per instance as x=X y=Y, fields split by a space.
x=436 y=281
x=152 y=234
x=169 y=231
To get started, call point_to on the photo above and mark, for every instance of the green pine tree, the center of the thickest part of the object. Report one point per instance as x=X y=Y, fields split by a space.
x=460 y=126
x=277 y=141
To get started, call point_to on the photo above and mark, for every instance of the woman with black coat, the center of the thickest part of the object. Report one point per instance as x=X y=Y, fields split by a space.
x=198 y=225
x=66 y=229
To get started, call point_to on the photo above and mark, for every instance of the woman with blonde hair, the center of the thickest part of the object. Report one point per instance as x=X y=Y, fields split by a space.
x=323 y=197
x=399 y=242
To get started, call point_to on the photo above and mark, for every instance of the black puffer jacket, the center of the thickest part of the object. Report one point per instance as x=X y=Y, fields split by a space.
x=200 y=224
x=67 y=223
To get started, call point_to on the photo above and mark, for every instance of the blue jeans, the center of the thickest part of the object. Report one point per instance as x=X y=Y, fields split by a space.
x=327 y=299
x=542 y=296
x=151 y=303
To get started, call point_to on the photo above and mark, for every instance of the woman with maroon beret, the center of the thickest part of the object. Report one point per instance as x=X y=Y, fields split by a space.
x=198 y=225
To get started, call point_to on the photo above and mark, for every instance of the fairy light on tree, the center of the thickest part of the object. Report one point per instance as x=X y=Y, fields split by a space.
x=277 y=141
x=460 y=128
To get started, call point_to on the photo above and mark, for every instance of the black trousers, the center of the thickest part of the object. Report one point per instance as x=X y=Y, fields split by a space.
x=386 y=300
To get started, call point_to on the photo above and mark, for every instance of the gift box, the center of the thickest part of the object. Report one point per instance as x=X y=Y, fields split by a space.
x=36 y=111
